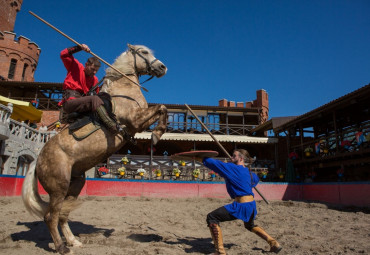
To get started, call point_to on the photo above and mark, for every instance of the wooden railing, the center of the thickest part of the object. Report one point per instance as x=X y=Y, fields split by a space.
x=42 y=103
x=172 y=126
x=214 y=128
x=350 y=139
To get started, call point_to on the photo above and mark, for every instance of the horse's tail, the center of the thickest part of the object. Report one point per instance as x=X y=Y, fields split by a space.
x=30 y=194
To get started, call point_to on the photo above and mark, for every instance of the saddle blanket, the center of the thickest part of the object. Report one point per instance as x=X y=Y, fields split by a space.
x=85 y=131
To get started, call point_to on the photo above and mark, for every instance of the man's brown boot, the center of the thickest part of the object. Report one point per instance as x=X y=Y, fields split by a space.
x=217 y=238
x=113 y=126
x=274 y=245
x=108 y=122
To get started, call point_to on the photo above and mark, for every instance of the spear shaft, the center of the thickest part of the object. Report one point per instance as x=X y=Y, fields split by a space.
x=92 y=53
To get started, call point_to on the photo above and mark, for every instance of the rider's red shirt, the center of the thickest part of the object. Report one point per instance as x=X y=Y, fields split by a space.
x=76 y=78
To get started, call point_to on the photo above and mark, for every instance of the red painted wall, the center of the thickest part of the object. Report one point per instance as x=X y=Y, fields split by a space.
x=356 y=194
x=8 y=186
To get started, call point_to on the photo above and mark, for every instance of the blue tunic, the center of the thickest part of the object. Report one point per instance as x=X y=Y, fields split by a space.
x=238 y=183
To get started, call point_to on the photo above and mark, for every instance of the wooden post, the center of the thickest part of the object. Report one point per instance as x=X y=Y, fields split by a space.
x=151 y=158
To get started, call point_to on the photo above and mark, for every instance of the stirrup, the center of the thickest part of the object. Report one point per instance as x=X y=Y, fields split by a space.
x=123 y=131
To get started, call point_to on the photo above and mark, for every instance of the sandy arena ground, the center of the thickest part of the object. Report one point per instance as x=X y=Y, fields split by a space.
x=121 y=225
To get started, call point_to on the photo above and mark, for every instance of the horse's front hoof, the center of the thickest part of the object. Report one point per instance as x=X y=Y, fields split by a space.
x=64 y=250
x=155 y=138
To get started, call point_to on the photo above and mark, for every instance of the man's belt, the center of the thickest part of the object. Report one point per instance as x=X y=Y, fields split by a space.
x=68 y=95
x=72 y=93
x=244 y=199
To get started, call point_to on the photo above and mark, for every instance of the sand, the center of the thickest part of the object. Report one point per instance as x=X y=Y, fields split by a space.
x=128 y=225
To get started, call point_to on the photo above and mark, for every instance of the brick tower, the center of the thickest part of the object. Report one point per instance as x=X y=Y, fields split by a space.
x=262 y=102
x=18 y=56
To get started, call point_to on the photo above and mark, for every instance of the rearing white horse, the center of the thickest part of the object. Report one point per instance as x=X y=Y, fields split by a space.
x=62 y=163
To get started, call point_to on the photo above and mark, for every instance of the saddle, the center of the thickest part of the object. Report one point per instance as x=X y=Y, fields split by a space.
x=81 y=125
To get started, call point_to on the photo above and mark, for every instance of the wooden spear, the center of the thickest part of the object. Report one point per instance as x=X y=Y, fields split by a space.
x=102 y=60
x=219 y=144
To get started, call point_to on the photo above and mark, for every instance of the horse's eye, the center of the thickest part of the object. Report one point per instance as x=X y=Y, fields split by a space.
x=145 y=52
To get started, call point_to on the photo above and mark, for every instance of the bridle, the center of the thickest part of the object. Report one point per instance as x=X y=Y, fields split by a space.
x=149 y=68
x=149 y=65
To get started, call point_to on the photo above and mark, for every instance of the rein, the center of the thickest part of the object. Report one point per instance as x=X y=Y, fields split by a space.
x=91 y=91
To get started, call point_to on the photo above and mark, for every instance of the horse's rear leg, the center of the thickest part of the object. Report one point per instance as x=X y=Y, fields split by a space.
x=52 y=219
x=69 y=204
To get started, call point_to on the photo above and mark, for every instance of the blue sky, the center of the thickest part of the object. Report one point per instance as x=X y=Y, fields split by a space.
x=303 y=53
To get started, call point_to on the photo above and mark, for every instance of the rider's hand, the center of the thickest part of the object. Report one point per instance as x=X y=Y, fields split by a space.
x=85 y=47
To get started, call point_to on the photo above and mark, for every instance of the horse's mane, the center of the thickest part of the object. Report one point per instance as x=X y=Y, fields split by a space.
x=122 y=63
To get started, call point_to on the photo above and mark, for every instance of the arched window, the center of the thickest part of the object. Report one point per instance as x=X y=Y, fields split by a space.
x=23 y=165
x=13 y=64
x=24 y=71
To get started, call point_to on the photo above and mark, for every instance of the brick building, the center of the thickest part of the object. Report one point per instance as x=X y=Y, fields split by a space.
x=18 y=56
x=261 y=102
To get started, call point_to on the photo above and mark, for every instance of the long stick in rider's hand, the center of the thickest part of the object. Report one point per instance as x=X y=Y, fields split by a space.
x=220 y=145
x=102 y=60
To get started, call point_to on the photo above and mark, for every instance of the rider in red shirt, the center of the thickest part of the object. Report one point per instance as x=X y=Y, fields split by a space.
x=79 y=81
x=80 y=78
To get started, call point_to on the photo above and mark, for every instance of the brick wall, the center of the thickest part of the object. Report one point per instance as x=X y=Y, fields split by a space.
x=240 y=104
x=248 y=104
x=231 y=104
x=49 y=117
x=8 y=13
x=262 y=98
x=262 y=102
x=222 y=103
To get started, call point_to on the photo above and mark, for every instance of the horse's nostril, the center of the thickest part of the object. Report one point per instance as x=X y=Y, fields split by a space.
x=163 y=67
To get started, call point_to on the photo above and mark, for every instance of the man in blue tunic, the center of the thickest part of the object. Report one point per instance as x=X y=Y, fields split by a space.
x=239 y=183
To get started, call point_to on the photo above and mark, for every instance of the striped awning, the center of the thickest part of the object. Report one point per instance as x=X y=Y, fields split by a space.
x=208 y=138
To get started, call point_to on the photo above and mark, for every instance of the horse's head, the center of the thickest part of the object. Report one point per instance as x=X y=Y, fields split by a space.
x=144 y=61
x=137 y=60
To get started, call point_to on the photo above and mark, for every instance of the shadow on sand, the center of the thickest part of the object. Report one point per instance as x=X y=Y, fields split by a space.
x=198 y=245
x=39 y=233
